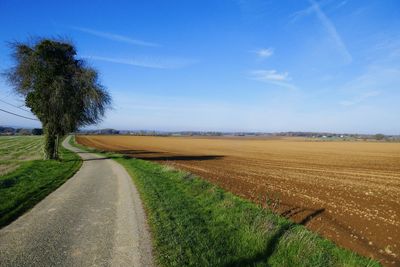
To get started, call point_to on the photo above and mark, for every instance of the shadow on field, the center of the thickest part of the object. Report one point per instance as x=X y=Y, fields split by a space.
x=160 y=156
x=273 y=242
x=181 y=157
x=311 y=216
x=306 y=215
x=154 y=156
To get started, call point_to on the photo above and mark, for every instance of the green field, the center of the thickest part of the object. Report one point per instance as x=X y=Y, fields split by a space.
x=14 y=150
x=26 y=178
x=195 y=223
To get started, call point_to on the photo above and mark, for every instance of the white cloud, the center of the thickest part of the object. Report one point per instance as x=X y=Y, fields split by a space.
x=147 y=62
x=115 y=37
x=264 y=52
x=269 y=75
x=272 y=77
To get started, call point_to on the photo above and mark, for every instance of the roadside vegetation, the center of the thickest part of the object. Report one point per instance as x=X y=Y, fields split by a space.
x=195 y=223
x=28 y=179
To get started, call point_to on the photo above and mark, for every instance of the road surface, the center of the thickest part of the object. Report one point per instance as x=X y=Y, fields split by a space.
x=95 y=219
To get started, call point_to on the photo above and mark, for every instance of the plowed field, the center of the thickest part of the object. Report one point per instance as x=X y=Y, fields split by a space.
x=347 y=191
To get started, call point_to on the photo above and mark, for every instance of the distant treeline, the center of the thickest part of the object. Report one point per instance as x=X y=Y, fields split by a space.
x=325 y=136
x=317 y=135
x=20 y=131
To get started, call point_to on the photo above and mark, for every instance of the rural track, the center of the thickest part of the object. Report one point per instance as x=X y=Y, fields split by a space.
x=95 y=219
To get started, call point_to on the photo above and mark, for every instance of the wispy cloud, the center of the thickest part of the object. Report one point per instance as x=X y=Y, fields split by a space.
x=301 y=13
x=375 y=81
x=269 y=75
x=147 y=62
x=359 y=99
x=331 y=29
x=115 y=37
x=389 y=46
x=273 y=77
x=375 y=78
x=315 y=8
x=264 y=52
x=343 y=3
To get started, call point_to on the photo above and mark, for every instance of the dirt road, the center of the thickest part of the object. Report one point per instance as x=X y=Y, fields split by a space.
x=94 y=219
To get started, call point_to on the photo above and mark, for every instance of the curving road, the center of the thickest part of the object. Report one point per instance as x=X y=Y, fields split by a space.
x=95 y=219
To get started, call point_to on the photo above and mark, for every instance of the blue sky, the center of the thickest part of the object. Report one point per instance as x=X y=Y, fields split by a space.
x=227 y=65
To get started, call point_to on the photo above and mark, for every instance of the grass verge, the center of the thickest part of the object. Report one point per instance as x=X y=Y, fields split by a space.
x=195 y=223
x=21 y=189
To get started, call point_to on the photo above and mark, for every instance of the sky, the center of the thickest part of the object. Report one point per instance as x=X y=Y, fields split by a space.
x=226 y=65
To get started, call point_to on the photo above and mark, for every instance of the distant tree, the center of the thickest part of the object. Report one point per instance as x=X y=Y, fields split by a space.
x=37 y=131
x=23 y=131
x=7 y=130
x=61 y=90
x=379 y=136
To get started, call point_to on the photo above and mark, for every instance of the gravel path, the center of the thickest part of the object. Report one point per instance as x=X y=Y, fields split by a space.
x=95 y=219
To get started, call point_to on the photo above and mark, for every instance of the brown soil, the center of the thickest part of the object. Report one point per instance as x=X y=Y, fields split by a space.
x=348 y=192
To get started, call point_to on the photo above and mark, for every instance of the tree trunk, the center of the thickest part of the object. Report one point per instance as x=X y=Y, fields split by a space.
x=50 y=143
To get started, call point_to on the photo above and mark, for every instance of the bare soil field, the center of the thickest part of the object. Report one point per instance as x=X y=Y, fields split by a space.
x=348 y=192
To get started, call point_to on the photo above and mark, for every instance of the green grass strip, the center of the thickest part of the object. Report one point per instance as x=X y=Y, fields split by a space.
x=21 y=189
